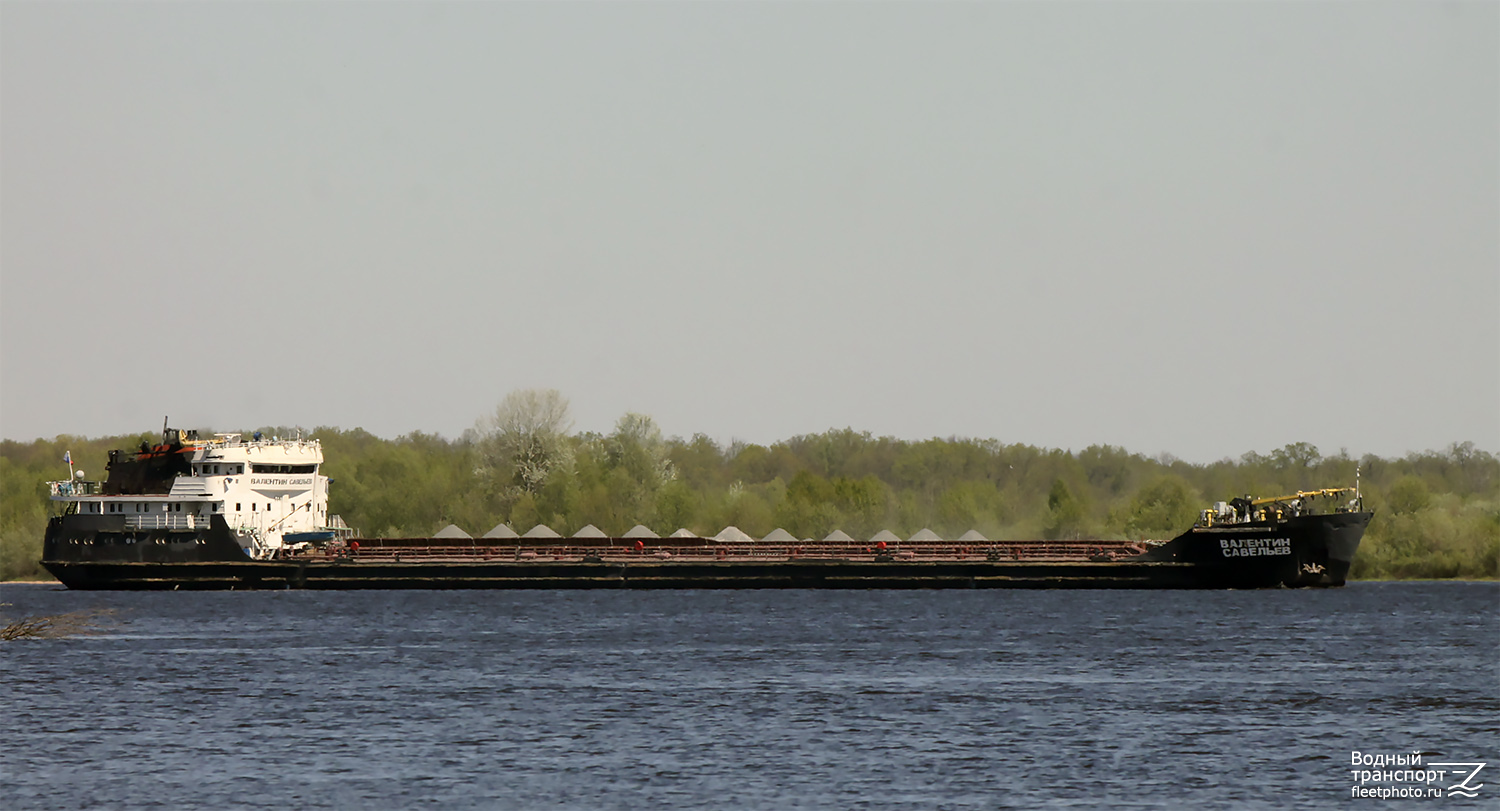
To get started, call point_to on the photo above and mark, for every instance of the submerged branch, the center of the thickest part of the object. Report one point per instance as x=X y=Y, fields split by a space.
x=85 y=622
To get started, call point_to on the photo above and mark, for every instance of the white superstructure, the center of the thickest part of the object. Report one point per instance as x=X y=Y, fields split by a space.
x=270 y=492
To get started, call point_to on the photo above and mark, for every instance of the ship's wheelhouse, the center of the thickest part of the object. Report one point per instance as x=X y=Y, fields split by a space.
x=265 y=489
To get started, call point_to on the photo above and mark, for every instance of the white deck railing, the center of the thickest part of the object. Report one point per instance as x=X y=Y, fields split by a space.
x=166 y=521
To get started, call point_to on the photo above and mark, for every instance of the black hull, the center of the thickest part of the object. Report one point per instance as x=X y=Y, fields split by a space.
x=106 y=539
x=1302 y=551
x=1309 y=551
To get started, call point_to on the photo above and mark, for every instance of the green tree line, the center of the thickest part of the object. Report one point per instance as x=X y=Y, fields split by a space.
x=1437 y=512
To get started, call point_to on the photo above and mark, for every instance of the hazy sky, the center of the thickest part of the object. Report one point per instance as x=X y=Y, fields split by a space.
x=1200 y=229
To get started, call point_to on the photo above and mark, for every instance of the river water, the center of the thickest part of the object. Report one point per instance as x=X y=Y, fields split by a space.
x=754 y=700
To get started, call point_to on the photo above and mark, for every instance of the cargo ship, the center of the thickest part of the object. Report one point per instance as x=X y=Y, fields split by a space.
x=233 y=512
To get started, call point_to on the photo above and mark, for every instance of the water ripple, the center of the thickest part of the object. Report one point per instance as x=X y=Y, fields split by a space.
x=869 y=700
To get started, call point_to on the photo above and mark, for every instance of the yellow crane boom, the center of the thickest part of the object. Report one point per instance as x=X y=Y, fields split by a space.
x=1328 y=492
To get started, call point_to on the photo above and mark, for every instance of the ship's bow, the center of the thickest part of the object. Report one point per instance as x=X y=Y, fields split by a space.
x=1329 y=549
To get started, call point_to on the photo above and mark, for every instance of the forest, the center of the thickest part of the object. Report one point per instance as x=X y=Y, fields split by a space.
x=1437 y=513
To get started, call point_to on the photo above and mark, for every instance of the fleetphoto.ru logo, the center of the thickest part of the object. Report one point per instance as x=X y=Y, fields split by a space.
x=1406 y=777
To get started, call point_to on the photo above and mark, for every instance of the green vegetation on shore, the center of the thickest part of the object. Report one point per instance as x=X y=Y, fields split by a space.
x=1437 y=513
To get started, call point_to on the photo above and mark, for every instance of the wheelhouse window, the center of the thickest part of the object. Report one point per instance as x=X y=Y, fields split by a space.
x=259 y=468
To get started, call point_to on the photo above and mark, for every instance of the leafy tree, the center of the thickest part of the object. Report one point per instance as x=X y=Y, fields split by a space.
x=1067 y=516
x=637 y=447
x=1408 y=495
x=808 y=508
x=1160 y=510
x=679 y=507
x=1298 y=455
x=525 y=440
x=699 y=460
x=749 y=510
x=969 y=505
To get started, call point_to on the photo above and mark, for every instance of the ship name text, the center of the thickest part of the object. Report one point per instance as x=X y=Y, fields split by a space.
x=1254 y=547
